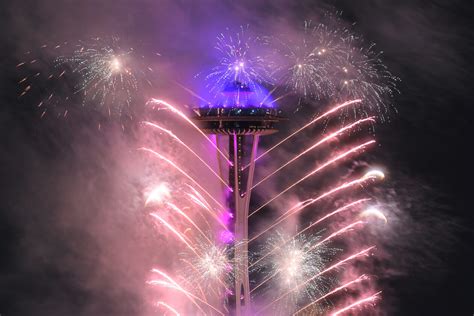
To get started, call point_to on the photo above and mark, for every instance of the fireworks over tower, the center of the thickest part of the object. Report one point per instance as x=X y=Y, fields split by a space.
x=243 y=120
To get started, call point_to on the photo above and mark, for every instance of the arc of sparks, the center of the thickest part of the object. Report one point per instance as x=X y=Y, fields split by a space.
x=333 y=235
x=334 y=109
x=343 y=208
x=172 y=135
x=324 y=165
x=315 y=145
x=184 y=173
x=184 y=117
x=342 y=287
x=334 y=266
x=370 y=299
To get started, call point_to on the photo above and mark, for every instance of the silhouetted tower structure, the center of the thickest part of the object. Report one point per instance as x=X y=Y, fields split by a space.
x=241 y=117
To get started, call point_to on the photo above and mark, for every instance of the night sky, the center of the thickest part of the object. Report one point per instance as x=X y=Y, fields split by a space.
x=64 y=253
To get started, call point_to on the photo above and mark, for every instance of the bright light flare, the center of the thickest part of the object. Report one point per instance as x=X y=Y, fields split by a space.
x=374 y=212
x=375 y=173
x=158 y=194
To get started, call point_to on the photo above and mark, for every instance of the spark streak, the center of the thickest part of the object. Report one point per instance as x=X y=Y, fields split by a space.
x=191 y=296
x=342 y=287
x=343 y=208
x=170 y=283
x=315 y=145
x=184 y=173
x=300 y=206
x=370 y=299
x=171 y=134
x=334 y=109
x=331 y=161
x=184 y=117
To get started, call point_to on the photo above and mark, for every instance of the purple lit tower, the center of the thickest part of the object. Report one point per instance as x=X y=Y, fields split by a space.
x=240 y=116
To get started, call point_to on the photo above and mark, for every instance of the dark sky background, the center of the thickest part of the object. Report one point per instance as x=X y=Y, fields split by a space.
x=63 y=254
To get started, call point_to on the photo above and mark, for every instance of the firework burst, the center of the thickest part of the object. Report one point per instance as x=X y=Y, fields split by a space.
x=100 y=73
x=292 y=260
x=361 y=73
x=239 y=62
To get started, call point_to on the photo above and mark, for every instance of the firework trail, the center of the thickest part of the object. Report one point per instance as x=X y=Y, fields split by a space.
x=190 y=150
x=185 y=118
x=184 y=173
x=323 y=116
x=324 y=165
x=341 y=209
x=180 y=212
x=171 y=284
x=340 y=288
x=315 y=145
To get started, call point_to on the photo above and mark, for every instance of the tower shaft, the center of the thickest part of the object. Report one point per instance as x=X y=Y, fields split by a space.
x=241 y=182
x=240 y=125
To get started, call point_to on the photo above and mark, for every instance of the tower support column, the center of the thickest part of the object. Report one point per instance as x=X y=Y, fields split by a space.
x=240 y=206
